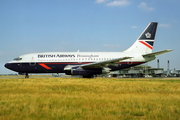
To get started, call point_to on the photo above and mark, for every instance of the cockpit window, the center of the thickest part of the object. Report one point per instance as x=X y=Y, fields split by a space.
x=17 y=59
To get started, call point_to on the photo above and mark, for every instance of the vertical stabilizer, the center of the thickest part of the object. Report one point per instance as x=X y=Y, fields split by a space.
x=144 y=44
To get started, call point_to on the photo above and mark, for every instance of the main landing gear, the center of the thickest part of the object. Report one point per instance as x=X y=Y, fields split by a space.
x=27 y=76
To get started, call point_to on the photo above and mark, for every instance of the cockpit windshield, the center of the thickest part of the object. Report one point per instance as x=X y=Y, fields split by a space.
x=17 y=59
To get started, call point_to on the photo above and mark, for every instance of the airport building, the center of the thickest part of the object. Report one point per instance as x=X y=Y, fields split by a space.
x=144 y=71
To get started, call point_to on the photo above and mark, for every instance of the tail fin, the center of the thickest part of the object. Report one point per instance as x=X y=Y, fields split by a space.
x=144 y=44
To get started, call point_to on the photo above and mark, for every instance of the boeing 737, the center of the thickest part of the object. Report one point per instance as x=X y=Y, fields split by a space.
x=88 y=64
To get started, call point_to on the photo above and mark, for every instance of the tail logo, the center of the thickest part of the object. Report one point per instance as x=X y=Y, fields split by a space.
x=148 y=35
x=148 y=44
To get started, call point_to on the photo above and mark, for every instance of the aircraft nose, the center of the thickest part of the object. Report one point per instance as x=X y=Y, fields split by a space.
x=7 y=65
x=12 y=66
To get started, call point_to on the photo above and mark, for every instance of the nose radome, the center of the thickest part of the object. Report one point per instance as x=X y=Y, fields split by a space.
x=6 y=65
x=11 y=66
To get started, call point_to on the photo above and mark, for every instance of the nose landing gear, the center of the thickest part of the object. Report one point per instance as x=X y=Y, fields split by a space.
x=27 y=76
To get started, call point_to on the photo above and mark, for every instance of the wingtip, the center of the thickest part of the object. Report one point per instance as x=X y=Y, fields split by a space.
x=169 y=50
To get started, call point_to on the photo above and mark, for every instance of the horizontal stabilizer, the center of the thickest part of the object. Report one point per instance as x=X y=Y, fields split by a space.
x=157 y=53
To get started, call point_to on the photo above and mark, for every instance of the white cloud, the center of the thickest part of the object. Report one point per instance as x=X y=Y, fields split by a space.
x=164 y=25
x=134 y=27
x=118 y=3
x=144 y=6
x=100 y=1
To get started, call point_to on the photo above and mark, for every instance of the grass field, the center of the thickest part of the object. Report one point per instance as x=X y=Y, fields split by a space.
x=98 y=98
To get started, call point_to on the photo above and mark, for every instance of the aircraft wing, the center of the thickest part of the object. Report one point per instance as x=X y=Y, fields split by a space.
x=157 y=53
x=103 y=63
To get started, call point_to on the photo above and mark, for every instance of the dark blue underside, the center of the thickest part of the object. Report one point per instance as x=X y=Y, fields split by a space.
x=57 y=67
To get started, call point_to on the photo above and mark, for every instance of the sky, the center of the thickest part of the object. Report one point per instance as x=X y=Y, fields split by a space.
x=30 y=26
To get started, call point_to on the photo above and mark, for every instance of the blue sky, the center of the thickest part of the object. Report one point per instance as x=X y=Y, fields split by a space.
x=28 y=26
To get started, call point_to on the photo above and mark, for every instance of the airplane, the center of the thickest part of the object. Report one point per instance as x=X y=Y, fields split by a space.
x=88 y=64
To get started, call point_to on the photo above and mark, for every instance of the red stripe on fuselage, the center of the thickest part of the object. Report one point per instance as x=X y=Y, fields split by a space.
x=144 y=43
x=45 y=66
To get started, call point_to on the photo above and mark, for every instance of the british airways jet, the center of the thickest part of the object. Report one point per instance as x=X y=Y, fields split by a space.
x=88 y=64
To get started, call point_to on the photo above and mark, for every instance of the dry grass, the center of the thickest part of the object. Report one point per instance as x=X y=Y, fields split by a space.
x=99 y=98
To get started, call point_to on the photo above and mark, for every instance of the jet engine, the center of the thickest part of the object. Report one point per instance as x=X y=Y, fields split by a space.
x=83 y=72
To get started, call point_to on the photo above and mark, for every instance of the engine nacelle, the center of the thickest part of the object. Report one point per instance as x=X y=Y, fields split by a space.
x=79 y=71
